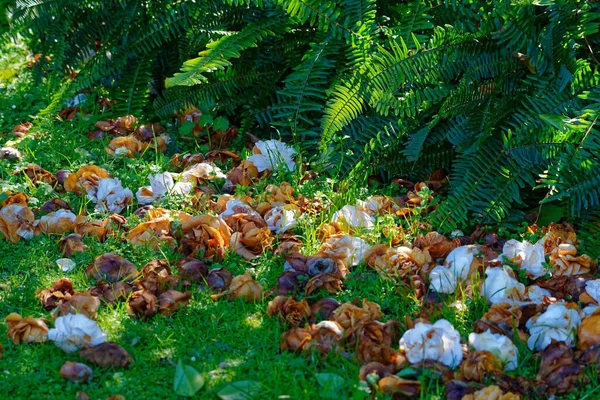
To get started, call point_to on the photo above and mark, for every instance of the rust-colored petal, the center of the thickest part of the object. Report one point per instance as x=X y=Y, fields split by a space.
x=79 y=303
x=112 y=268
x=107 y=354
x=26 y=330
x=558 y=371
x=394 y=385
x=171 y=301
x=72 y=244
x=142 y=304
x=292 y=311
x=328 y=282
x=76 y=372
x=295 y=339
x=480 y=364
x=588 y=333
x=245 y=287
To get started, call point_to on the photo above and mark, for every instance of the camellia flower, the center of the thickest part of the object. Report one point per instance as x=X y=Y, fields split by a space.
x=462 y=261
x=76 y=331
x=500 y=286
x=280 y=219
x=58 y=222
x=593 y=289
x=16 y=222
x=527 y=256
x=499 y=345
x=354 y=217
x=351 y=250
x=558 y=323
x=271 y=155
x=439 y=342
x=236 y=206
x=111 y=196
x=161 y=184
x=443 y=280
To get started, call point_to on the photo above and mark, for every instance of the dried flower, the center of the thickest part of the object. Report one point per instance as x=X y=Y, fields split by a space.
x=440 y=342
x=443 y=280
x=75 y=331
x=78 y=303
x=160 y=185
x=142 y=304
x=58 y=222
x=107 y=354
x=76 y=372
x=351 y=250
x=85 y=180
x=478 y=365
x=271 y=155
x=566 y=263
x=330 y=283
x=588 y=333
x=394 y=385
x=245 y=287
x=72 y=244
x=353 y=217
x=112 y=268
x=292 y=311
x=26 y=330
x=111 y=197
x=16 y=222
x=280 y=219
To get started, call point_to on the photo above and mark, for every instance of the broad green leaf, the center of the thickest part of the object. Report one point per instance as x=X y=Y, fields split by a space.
x=220 y=124
x=408 y=373
x=205 y=119
x=241 y=390
x=186 y=127
x=188 y=381
x=557 y=121
x=331 y=383
x=550 y=213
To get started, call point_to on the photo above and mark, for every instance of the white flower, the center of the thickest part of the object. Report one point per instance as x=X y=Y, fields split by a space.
x=442 y=280
x=76 y=331
x=160 y=185
x=456 y=233
x=354 y=217
x=236 y=206
x=499 y=345
x=66 y=264
x=527 y=256
x=111 y=196
x=558 y=323
x=202 y=171
x=500 y=286
x=588 y=310
x=460 y=260
x=593 y=289
x=439 y=342
x=351 y=250
x=121 y=151
x=273 y=154
x=536 y=294
x=280 y=220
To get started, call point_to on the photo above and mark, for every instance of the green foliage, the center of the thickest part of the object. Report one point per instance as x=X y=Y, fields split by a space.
x=503 y=95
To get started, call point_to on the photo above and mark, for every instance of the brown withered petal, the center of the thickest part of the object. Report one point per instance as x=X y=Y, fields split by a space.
x=491 y=393
x=588 y=333
x=107 y=354
x=456 y=390
x=292 y=311
x=72 y=244
x=191 y=271
x=296 y=262
x=54 y=204
x=142 y=304
x=171 y=301
x=328 y=282
x=325 y=337
x=568 y=287
x=375 y=368
x=147 y=132
x=38 y=174
x=393 y=384
x=558 y=370
x=112 y=268
x=324 y=308
x=76 y=372
x=79 y=303
x=288 y=283
x=61 y=289
x=437 y=245
x=219 y=279
x=321 y=263
x=288 y=244
x=21 y=130
x=111 y=293
x=245 y=287
x=295 y=339
x=15 y=198
x=478 y=365
x=62 y=175
x=26 y=330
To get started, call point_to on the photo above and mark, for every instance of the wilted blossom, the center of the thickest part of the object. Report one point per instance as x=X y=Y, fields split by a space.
x=66 y=264
x=351 y=250
x=161 y=184
x=593 y=289
x=499 y=345
x=76 y=331
x=58 y=222
x=111 y=196
x=354 y=217
x=271 y=154
x=236 y=206
x=280 y=219
x=439 y=342
x=443 y=280
x=461 y=261
x=558 y=322
x=500 y=286
x=527 y=256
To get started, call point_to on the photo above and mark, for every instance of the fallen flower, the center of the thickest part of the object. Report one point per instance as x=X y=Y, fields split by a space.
x=66 y=264
x=529 y=257
x=287 y=308
x=440 y=342
x=160 y=185
x=442 y=280
x=76 y=372
x=501 y=286
x=111 y=197
x=245 y=287
x=499 y=345
x=107 y=354
x=271 y=155
x=351 y=250
x=26 y=330
x=112 y=268
x=280 y=219
x=556 y=323
x=479 y=365
x=171 y=301
x=354 y=217
x=85 y=180
x=75 y=331
x=58 y=222
x=16 y=222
